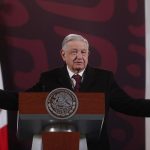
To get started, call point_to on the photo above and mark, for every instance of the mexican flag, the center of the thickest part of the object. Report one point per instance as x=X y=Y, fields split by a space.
x=3 y=123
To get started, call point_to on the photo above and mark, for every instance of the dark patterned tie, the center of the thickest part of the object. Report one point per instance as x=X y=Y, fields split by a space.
x=78 y=81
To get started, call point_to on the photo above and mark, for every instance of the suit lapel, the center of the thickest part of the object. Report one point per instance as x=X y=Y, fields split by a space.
x=64 y=78
x=88 y=79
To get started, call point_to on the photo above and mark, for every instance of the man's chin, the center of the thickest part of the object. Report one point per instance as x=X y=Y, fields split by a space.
x=78 y=69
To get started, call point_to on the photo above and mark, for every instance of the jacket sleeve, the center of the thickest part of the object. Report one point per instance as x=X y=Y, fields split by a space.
x=122 y=102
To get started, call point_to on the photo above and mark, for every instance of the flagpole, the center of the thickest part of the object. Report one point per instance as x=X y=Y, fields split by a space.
x=147 y=35
x=1 y=79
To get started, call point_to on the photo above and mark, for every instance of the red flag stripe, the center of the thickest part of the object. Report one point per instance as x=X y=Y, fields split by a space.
x=3 y=138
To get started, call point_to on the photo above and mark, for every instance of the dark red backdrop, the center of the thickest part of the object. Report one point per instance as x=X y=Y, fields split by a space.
x=30 y=39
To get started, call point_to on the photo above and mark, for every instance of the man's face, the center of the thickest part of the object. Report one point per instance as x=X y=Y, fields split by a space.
x=75 y=55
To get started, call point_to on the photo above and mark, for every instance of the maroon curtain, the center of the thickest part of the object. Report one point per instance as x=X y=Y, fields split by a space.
x=30 y=39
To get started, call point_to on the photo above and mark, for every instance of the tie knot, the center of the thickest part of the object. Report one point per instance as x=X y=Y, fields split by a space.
x=77 y=77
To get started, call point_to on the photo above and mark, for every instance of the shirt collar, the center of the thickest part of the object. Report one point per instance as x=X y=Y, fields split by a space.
x=72 y=73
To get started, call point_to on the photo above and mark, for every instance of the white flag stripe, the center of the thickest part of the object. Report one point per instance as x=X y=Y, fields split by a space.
x=147 y=29
x=3 y=118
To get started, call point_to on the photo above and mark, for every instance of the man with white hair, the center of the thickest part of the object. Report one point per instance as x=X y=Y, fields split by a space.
x=75 y=53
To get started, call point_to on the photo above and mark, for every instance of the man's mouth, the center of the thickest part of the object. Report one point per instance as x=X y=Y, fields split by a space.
x=78 y=62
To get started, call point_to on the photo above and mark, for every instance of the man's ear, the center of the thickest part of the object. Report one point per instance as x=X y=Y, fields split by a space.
x=62 y=53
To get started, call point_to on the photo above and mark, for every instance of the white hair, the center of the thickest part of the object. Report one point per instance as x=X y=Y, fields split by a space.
x=74 y=37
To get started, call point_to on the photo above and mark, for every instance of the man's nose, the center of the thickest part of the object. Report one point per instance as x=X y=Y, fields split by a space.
x=79 y=55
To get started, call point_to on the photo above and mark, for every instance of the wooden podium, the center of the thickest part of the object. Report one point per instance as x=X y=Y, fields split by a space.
x=33 y=118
